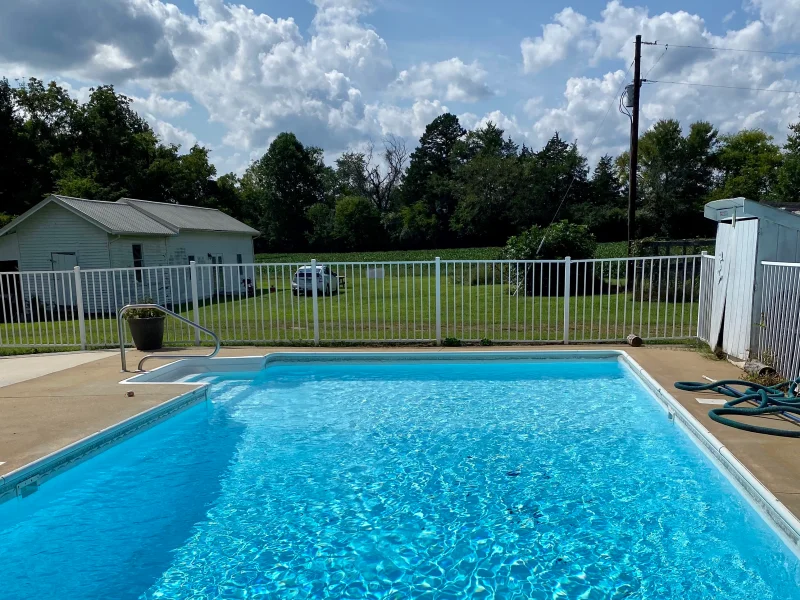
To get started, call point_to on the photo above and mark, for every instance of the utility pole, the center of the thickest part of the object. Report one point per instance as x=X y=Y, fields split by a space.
x=634 y=165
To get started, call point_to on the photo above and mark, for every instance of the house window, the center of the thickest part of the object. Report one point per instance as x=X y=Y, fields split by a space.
x=138 y=260
x=238 y=262
x=191 y=258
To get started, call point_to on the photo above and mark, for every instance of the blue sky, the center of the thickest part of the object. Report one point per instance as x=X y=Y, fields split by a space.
x=343 y=73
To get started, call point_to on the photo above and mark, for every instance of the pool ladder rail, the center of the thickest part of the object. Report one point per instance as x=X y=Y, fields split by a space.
x=166 y=311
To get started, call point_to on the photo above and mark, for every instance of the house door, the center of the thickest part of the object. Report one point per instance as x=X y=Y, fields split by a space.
x=219 y=275
x=734 y=276
x=63 y=284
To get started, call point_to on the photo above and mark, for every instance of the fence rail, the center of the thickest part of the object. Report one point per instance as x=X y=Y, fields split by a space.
x=499 y=301
x=779 y=335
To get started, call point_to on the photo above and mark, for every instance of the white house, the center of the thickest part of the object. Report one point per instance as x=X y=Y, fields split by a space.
x=61 y=233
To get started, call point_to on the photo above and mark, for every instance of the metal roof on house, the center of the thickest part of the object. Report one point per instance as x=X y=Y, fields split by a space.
x=129 y=216
x=189 y=218
x=116 y=218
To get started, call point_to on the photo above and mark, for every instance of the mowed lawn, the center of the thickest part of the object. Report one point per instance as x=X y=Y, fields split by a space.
x=397 y=304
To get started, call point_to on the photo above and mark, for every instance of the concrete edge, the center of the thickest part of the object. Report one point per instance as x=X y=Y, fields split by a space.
x=26 y=479
x=774 y=512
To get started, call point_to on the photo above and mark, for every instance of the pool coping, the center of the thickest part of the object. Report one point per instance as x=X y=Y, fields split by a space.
x=26 y=479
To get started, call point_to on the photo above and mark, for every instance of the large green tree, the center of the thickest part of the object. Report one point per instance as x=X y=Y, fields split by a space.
x=748 y=163
x=487 y=182
x=787 y=185
x=281 y=186
x=429 y=181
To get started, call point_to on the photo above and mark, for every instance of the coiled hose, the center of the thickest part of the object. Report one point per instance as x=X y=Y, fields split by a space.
x=780 y=399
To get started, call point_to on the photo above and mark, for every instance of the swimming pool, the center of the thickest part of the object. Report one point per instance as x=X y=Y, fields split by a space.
x=396 y=479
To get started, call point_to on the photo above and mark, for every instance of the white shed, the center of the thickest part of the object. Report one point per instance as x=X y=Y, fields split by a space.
x=61 y=232
x=748 y=233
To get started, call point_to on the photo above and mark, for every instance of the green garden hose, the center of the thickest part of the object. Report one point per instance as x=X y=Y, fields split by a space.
x=782 y=399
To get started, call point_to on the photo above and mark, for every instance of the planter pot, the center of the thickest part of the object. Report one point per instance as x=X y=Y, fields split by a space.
x=148 y=334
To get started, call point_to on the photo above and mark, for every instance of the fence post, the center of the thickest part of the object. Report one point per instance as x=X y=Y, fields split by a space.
x=314 y=293
x=195 y=300
x=567 y=278
x=79 y=300
x=438 y=301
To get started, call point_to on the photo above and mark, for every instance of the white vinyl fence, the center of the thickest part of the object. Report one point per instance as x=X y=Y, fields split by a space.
x=707 y=266
x=779 y=336
x=439 y=301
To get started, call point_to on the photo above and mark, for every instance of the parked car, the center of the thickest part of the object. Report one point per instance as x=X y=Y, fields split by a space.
x=326 y=280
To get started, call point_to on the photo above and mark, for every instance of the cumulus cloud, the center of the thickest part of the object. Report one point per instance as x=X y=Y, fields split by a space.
x=335 y=85
x=556 y=41
x=170 y=134
x=105 y=39
x=610 y=39
x=406 y=122
x=451 y=79
x=159 y=105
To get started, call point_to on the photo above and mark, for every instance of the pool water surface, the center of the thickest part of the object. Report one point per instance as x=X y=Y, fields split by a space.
x=549 y=479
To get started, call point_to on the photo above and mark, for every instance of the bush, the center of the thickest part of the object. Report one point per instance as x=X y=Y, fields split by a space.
x=451 y=342
x=560 y=240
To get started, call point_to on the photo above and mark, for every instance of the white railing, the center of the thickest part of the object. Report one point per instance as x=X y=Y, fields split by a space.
x=439 y=301
x=707 y=266
x=779 y=335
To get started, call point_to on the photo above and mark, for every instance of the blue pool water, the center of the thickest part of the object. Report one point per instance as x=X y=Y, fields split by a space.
x=483 y=480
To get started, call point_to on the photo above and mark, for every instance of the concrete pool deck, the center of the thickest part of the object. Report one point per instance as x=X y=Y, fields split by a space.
x=43 y=414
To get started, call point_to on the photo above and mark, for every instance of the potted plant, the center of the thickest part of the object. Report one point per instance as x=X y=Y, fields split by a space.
x=147 y=327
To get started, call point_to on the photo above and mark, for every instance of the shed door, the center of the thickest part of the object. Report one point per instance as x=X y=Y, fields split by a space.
x=733 y=291
x=63 y=261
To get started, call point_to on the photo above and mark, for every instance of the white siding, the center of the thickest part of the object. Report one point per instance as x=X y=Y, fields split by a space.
x=9 y=250
x=201 y=243
x=723 y=251
x=154 y=250
x=55 y=229
x=739 y=300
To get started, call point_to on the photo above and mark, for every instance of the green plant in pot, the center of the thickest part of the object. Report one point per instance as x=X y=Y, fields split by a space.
x=147 y=327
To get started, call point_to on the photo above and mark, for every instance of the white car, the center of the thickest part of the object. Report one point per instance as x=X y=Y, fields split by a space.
x=327 y=281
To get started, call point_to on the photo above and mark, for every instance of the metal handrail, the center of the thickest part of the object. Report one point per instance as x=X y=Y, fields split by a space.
x=165 y=310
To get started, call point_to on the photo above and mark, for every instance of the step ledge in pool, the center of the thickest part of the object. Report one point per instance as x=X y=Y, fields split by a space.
x=180 y=370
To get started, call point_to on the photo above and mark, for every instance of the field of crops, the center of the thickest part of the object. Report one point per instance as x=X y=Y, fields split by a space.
x=605 y=250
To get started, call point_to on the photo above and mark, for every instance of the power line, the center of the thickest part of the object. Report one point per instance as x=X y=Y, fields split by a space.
x=591 y=145
x=666 y=47
x=725 y=87
x=729 y=49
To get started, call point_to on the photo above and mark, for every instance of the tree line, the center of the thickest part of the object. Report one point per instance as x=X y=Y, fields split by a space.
x=456 y=188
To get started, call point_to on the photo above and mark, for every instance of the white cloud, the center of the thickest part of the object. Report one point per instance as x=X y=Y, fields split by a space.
x=170 y=134
x=406 y=122
x=610 y=38
x=451 y=79
x=159 y=105
x=335 y=85
x=556 y=41
x=729 y=16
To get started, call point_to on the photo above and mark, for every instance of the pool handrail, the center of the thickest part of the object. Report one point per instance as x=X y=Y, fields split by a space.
x=167 y=311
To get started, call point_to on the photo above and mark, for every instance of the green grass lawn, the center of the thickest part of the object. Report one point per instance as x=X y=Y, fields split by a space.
x=400 y=307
